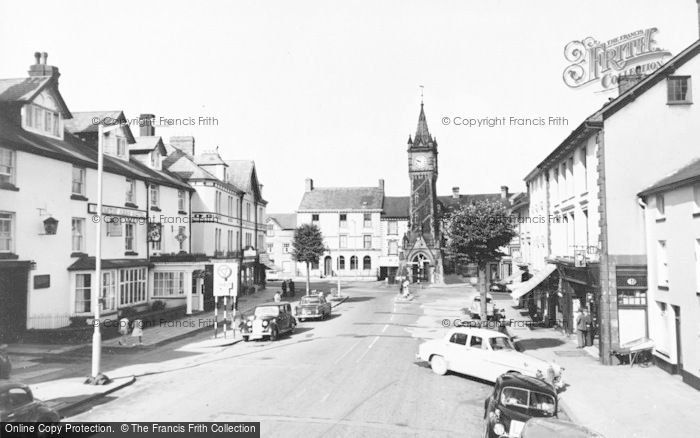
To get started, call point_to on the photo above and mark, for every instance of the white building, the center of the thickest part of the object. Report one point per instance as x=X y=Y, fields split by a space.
x=672 y=217
x=279 y=238
x=48 y=212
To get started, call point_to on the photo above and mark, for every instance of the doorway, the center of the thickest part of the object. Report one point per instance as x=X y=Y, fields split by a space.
x=327 y=266
x=679 y=350
x=13 y=296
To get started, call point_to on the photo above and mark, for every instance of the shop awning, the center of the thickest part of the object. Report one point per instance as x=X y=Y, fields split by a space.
x=88 y=264
x=527 y=286
x=271 y=267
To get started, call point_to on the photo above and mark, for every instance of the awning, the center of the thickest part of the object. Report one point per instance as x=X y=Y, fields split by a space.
x=525 y=287
x=271 y=267
x=88 y=264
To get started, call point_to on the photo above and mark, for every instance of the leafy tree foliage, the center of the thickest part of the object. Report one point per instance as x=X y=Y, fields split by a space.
x=307 y=247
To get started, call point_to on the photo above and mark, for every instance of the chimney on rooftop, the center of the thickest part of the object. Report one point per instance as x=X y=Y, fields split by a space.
x=625 y=82
x=504 y=192
x=40 y=68
x=455 y=192
x=381 y=185
x=184 y=143
x=146 y=127
x=309 y=184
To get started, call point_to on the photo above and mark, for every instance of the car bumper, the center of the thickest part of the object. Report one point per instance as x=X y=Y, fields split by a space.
x=310 y=316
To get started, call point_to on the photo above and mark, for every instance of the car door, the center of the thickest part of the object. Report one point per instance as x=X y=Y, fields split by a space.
x=478 y=364
x=457 y=357
x=285 y=317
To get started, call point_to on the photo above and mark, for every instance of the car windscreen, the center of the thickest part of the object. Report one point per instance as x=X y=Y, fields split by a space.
x=310 y=300
x=267 y=311
x=535 y=403
x=500 y=343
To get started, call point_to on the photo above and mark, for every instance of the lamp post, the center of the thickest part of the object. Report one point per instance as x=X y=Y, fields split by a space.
x=96 y=378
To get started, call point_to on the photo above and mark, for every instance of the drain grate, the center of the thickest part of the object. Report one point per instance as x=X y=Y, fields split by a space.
x=575 y=353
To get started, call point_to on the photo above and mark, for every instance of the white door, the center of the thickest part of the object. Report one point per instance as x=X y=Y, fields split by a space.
x=478 y=364
x=457 y=357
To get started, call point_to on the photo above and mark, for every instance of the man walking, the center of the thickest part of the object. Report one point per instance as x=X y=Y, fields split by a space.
x=581 y=328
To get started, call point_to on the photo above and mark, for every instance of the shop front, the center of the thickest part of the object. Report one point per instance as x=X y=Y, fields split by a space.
x=578 y=288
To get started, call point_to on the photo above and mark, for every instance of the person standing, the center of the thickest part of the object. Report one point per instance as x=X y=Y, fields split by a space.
x=137 y=332
x=291 y=287
x=123 y=331
x=284 y=288
x=278 y=297
x=588 y=334
x=581 y=328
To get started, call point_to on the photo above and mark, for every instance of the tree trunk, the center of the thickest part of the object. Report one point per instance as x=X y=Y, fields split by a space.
x=308 y=279
x=484 y=290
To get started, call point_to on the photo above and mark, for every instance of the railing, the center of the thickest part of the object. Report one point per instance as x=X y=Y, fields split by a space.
x=48 y=321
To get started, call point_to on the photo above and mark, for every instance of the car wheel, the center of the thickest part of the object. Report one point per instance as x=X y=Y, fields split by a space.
x=292 y=327
x=274 y=334
x=246 y=339
x=438 y=365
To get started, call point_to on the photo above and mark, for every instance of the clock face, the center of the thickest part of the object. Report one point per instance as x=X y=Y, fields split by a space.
x=420 y=162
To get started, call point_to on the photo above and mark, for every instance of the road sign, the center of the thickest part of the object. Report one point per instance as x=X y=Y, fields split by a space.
x=225 y=278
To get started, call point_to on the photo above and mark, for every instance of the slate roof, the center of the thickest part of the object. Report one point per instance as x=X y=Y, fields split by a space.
x=209 y=158
x=183 y=165
x=147 y=144
x=22 y=89
x=84 y=121
x=686 y=175
x=450 y=202
x=342 y=198
x=73 y=150
x=423 y=137
x=240 y=173
x=286 y=221
x=395 y=207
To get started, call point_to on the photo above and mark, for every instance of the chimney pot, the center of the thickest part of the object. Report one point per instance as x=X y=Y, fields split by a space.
x=146 y=128
x=381 y=185
x=504 y=192
x=455 y=192
x=309 y=184
x=44 y=57
x=37 y=57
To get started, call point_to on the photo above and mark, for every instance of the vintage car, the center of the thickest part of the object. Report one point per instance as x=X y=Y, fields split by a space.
x=514 y=400
x=313 y=307
x=269 y=321
x=475 y=307
x=17 y=404
x=555 y=428
x=485 y=354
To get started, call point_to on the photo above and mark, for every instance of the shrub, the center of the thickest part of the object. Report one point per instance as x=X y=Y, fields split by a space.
x=127 y=312
x=158 y=305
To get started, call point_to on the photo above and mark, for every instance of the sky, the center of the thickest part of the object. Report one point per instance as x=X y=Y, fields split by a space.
x=331 y=90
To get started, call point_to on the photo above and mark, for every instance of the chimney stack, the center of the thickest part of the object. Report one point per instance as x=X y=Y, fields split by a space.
x=625 y=82
x=260 y=187
x=381 y=185
x=146 y=125
x=184 y=143
x=455 y=192
x=504 y=192
x=40 y=68
x=309 y=184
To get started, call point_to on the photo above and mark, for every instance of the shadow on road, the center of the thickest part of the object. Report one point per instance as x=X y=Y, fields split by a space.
x=358 y=299
x=534 y=344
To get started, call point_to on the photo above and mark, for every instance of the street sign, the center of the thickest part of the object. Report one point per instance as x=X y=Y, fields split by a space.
x=225 y=278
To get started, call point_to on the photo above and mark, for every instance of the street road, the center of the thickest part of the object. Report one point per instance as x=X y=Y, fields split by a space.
x=353 y=375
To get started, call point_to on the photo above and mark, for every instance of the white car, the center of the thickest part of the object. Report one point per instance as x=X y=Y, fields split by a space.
x=485 y=354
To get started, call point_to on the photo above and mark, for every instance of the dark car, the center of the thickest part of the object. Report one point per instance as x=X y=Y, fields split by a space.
x=498 y=286
x=5 y=364
x=269 y=321
x=17 y=404
x=554 y=428
x=313 y=307
x=515 y=399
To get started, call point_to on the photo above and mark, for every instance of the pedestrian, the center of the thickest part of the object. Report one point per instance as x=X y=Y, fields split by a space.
x=137 y=331
x=278 y=297
x=123 y=330
x=291 y=287
x=587 y=335
x=581 y=328
x=284 y=288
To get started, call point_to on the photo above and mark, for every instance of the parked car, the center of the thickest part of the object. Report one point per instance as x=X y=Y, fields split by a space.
x=475 y=307
x=17 y=404
x=555 y=428
x=485 y=354
x=514 y=400
x=5 y=364
x=498 y=286
x=272 y=275
x=269 y=321
x=313 y=307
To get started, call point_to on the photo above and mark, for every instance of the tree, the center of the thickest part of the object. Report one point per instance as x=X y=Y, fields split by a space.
x=307 y=247
x=476 y=233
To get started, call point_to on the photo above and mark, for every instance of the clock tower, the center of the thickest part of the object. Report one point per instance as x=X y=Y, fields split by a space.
x=422 y=251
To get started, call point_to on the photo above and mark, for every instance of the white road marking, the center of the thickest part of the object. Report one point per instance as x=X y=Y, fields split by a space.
x=325 y=397
x=385 y=327
x=376 y=338
x=347 y=352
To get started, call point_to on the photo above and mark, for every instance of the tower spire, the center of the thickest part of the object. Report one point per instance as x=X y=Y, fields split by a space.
x=422 y=137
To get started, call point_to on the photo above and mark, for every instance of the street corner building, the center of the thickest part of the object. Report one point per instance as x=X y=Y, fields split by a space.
x=162 y=220
x=373 y=236
x=596 y=234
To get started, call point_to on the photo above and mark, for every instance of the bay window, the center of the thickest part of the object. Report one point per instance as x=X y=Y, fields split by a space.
x=132 y=286
x=168 y=284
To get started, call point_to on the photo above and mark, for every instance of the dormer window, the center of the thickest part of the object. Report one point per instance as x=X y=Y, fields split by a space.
x=42 y=120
